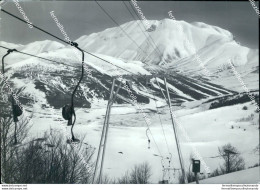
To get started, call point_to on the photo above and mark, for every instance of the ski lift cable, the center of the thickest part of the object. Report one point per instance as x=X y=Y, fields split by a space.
x=155 y=142
x=122 y=29
x=37 y=56
x=147 y=37
x=144 y=27
x=35 y=26
x=118 y=26
x=152 y=43
x=160 y=119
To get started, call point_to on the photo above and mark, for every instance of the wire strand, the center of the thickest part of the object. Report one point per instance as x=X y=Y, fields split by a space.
x=147 y=37
x=118 y=26
x=38 y=57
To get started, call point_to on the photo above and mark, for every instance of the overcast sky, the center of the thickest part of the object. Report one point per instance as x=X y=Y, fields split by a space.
x=85 y=17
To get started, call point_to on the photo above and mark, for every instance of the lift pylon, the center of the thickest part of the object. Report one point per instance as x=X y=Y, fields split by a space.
x=176 y=134
x=104 y=135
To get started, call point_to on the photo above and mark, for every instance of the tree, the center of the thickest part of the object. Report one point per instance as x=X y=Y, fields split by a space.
x=140 y=174
x=7 y=139
x=233 y=161
x=50 y=160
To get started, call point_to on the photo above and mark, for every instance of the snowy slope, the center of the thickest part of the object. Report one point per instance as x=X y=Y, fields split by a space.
x=207 y=129
x=248 y=176
x=41 y=46
x=248 y=72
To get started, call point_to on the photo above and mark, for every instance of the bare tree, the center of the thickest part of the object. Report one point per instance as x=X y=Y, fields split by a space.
x=107 y=180
x=233 y=161
x=140 y=174
x=7 y=138
x=125 y=179
x=52 y=160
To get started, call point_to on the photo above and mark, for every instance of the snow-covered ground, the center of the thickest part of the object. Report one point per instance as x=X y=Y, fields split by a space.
x=207 y=129
x=248 y=176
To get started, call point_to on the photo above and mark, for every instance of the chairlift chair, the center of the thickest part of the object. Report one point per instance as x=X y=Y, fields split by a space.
x=17 y=111
x=68 y=112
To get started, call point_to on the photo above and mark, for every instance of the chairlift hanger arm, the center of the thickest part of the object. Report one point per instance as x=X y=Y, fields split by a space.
x=3 y=58
x=17 y=111
x=68 y=111
x=82 y=72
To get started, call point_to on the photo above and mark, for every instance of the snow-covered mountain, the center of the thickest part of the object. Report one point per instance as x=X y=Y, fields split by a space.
x=212 y=44
x=166 y=34
x=177 y=44
x=171 y=38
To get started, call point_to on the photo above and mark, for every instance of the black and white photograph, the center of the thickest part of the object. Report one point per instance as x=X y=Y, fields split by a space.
x=129 y=92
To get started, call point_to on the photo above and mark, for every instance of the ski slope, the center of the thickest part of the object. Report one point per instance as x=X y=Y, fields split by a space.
x=248 y=176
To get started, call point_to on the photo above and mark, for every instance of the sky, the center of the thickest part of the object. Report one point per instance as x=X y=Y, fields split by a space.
x=85 y=17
